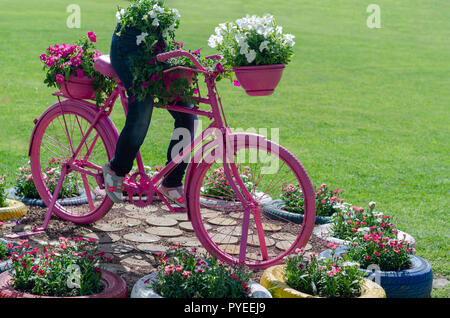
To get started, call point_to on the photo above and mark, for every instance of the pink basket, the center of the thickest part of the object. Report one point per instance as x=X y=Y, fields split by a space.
x=78 y=88
x=260 y=80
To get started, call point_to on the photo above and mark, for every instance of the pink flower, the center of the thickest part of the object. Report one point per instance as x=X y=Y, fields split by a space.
x=219 y=67
x=43 y=57
x=144 y=85
x=92 y=36
x=186 y=274
x=155 y=77
x=152 y=61
x=357 y=209
x=50 y=61
x=196 y=52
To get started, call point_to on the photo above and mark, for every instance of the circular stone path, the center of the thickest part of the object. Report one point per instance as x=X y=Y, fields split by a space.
x=141 y=237
x=164 y=231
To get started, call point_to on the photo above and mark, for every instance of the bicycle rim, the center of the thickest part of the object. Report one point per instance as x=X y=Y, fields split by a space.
x=57 y=137
x=218 y=216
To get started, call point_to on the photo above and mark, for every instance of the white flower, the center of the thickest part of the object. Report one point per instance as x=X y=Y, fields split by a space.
x=263 y=46
x=289 y=39
x=177 y=14
x=240 y=39
x=155 y=22
x=152 y=14
x=140 y=38
x=244 y=48
x=214 y=40
x=279 y=29
x=250 y=56
x=158 y=8
x=172 y=27
x=119 y=15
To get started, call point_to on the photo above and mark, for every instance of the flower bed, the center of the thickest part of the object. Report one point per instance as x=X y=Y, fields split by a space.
x=26 y=192
x=218 y=194
x=290 y=206
x=187 y=274
x=307 y=277
x=351 y=222
x=66 y=269
x=389 y=262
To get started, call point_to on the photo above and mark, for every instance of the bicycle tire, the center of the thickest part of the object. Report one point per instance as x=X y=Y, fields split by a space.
x=202 y=226
x=84 y=112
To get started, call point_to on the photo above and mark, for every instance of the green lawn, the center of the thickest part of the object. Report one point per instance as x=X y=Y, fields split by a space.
x=365 y=110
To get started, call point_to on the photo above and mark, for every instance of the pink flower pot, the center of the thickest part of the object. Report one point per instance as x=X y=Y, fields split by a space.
x=171 y=76
x=259 y=80
x=78 y=88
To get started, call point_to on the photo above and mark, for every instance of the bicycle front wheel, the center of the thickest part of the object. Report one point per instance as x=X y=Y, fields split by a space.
x=251 y=231
x=58 y=134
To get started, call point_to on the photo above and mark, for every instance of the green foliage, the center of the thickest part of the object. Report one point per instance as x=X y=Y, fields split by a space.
x=327 y=201
x=26 y=188
x=335 y=277
x=351 y=222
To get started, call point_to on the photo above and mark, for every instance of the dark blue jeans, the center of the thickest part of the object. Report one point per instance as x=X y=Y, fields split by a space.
x=140 y=114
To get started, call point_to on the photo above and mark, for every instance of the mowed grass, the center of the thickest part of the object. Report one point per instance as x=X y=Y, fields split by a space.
x=365 y=110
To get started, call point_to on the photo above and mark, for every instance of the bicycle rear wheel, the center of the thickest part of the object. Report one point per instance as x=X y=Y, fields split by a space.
x=56 y=137
x=219 y=217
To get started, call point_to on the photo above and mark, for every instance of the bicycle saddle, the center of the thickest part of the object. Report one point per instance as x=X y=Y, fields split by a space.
x=103 y=65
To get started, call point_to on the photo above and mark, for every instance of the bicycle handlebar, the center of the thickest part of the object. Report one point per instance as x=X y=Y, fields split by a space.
x=168 y=55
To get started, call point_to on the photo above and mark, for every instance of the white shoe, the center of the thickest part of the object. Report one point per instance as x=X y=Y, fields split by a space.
x=176 y=195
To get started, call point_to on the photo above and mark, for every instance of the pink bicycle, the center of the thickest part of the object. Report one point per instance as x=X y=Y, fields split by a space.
x=252 y=170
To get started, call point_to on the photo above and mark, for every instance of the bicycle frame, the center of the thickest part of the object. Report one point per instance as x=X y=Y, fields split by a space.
x=218 y=124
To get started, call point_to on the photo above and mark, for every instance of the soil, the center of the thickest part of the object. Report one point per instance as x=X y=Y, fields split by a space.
x=131 y=260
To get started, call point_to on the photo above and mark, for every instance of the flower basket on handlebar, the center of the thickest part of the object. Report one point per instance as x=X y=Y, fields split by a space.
x=169 y=77
x=259 y=80
x=78 y=88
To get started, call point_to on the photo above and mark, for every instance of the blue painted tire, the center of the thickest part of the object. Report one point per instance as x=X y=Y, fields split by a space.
x=415 y=282
x=275 y=212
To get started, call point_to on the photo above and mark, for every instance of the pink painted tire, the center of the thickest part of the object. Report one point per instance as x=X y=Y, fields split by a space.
x=222 y=236
x=50 y=139
x=115 y=287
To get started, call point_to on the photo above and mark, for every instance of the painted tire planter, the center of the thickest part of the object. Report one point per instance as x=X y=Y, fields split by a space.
x=79 y=200
x=142 y=288
x=275 y=212
x=15 y=209
x=260 y=80
x=323 y=232
x=415 y=282
x=6 y=264
x=115 y=287
x=273 y=280
x=222 y=205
